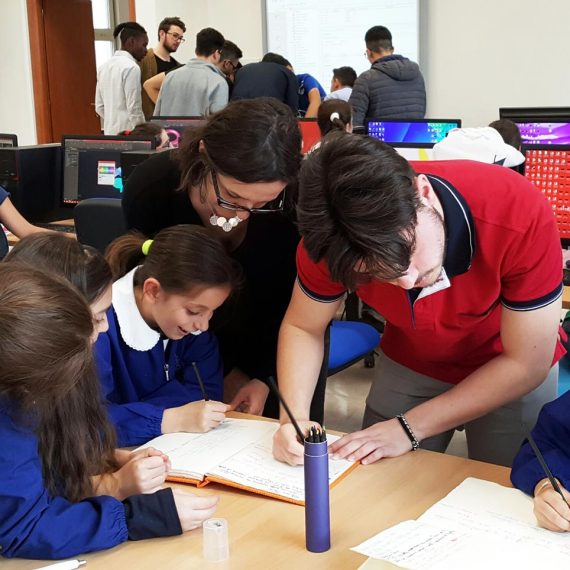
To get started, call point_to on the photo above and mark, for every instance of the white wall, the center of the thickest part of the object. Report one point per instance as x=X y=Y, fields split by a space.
x=479 y=56
x=239 y=22
x=16 y=90
x=476 y=56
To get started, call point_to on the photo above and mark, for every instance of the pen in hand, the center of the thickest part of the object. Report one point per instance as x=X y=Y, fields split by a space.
x=545 y=468
x=273 y=386
x=201 y=382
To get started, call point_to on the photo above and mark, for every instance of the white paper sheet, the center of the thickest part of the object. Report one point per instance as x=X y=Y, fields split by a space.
x=478 y=525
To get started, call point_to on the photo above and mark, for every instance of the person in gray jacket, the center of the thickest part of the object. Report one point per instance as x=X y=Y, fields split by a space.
x=393 y=88
x=199 y=87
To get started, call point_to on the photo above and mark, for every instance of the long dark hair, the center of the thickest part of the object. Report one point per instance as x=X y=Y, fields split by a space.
x=181 y=258
x=49 y=377
x=251 y=140
x=81 y=265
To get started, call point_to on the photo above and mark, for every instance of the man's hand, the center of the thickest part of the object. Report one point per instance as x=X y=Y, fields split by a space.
x=250 y=399
x=384 y=439
x=286 y=445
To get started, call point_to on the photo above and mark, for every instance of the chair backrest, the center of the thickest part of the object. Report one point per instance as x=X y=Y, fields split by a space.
x=4 y=248
x=98 y=221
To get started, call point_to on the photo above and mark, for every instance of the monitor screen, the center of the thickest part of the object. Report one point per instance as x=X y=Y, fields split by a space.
x=548 y=168
x=92 y=165
x=310 y=133
x=544 y=132
x=175 y=126
x=411 y=132
x=8 y=140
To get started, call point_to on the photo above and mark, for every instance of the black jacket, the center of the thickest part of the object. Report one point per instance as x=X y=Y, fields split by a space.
x=393 y=88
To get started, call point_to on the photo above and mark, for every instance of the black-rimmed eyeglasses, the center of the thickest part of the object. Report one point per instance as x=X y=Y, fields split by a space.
x=275 y=205
x=177 y=37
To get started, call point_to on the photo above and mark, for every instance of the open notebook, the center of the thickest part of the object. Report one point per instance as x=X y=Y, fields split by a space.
x=238 y=453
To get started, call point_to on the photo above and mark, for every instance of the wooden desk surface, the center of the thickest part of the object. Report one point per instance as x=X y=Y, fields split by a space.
x=566 y=298
x=266 y=533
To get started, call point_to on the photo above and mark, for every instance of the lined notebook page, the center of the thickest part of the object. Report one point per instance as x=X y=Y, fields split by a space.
x=193 y=455
x=256 y=468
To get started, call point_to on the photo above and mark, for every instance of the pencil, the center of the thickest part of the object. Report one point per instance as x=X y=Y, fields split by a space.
x=200 y=381
x=545 y=467
x=273 y=386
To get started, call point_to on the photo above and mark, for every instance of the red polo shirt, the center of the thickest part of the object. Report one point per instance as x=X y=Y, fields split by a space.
x=503 y=249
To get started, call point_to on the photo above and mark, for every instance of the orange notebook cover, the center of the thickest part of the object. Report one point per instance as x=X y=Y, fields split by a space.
x=238 y=454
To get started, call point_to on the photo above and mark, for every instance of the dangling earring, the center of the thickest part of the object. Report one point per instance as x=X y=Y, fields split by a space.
x=224 y=223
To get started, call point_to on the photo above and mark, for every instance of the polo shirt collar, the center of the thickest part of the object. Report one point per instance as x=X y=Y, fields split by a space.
x=460 y=229
x=133 y=328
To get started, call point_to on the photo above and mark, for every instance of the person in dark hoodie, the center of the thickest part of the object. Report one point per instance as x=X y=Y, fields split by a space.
x=393 y=88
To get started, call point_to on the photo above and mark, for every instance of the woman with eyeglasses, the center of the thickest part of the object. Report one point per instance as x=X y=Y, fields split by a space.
x=237 y=176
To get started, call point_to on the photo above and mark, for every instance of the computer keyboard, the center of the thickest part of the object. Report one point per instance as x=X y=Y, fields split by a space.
x=66 y=228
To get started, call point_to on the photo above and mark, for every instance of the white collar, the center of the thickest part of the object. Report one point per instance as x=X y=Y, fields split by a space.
x=124 y=53
x=133 y=328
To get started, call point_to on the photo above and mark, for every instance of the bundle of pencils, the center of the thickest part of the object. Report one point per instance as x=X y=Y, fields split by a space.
x=316 y=435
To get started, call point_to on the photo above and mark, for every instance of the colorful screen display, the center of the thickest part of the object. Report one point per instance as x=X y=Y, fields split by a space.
x=175 y=126
x=549 y=169
x=544 y=133
x=426 y=132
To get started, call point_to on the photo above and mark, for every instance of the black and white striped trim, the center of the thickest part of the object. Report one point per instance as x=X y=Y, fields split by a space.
x=317 y=297
x=535 y=303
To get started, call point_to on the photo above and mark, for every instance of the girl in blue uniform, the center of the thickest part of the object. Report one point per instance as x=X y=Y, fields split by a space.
x=159 y=366
x=55 y=434
x=84 y=267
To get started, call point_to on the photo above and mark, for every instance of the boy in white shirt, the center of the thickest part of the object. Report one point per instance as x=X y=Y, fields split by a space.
x=118 y=94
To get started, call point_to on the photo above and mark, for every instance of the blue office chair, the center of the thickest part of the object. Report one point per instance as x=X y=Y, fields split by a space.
x=346 y=342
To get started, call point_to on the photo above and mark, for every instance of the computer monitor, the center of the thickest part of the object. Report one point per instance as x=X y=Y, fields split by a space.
x=92 y=164
x=548 y=168
x=544 y=132
x=8 y=140
x=411 y=132
x=175 y=126
x=310 y=133
x=535 y=114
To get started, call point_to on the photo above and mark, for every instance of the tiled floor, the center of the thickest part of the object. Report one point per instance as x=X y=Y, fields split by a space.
x=344 y=404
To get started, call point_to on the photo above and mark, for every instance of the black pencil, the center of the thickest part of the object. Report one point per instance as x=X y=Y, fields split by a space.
x=200 y=381
x=545 y=467
x=273 y=386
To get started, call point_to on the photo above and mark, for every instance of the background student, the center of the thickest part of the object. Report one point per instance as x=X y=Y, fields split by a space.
x=552 y=436
x=55 y=434
x=118 y=94
x=160 y=59
x=237 y=176
x=334 y=115
x=85 y=268
x=158 y=340
x=12 y=220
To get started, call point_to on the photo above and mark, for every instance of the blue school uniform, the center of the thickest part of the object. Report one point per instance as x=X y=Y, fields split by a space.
x=142 y=375
x=3 y=195
x=552 y=436
x=35 y=525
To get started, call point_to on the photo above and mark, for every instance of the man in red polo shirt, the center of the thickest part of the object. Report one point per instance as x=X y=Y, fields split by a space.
x=463 y=260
